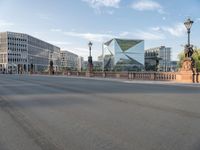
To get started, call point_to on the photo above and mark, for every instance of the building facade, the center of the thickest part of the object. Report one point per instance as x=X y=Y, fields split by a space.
x=80 y=63
x=174 y=66
x=123 y=55
x=69 y=60
x=158 y=59
x=20 y=53
x=97 y=65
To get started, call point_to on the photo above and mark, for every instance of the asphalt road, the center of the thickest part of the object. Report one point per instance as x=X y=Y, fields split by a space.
x=60 y=113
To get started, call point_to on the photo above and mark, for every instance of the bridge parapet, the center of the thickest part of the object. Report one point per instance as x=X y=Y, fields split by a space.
x=181 y=76
x=158 y=76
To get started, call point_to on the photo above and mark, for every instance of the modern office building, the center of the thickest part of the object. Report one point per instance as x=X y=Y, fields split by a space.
x=80 y=63
x=20 y=53
x=69 y=60
x=85 y=65
x=158 y=59
x=174 y=66
x=107 y=61
x=97 y=65
x=123 y=55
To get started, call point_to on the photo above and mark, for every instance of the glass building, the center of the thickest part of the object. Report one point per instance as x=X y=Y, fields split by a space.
x=158 y=59
x=123 y=55
x=19 y=53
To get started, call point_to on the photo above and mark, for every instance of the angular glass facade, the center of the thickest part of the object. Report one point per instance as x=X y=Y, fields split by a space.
x=124 y=55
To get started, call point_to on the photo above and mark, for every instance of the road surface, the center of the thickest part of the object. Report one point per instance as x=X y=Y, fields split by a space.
x=60 y=113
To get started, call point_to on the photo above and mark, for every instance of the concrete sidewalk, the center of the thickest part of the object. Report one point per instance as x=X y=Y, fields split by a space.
x=127 y=81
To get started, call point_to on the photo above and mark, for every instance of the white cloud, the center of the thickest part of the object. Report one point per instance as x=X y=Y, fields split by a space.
x=156 y=29
x=143 y=35
x=90 y=36
x=125 y=33
x=55 y=30
x=103 y=6
x=43 y=16
x=83 y=49
x=60 y=43
x=197 y=19
x=164 y=18
x=103 y=3
x=110 y=12
x=5 y=24
x=143 y=5
x=150 y=35
x=177 y=30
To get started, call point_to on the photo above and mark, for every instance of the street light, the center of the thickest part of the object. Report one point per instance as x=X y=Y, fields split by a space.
x=90 y=47
x=188 y=48
x=188 y=24
x=90 y=64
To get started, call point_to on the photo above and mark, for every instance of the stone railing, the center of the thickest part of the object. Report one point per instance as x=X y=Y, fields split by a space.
x=152 y=76
x=158 y=76
x=163 y=76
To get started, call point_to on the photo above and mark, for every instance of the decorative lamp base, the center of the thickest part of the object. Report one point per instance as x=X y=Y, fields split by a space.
x=187 y=72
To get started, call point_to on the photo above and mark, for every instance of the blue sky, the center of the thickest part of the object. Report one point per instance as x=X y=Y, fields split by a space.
x=70 y=24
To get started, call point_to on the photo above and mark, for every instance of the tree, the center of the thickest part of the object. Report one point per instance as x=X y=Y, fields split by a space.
x=195 y=56
x=181 y=57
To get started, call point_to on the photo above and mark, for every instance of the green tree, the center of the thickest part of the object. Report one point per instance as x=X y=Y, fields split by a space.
x=181 y=57
x=195 y=56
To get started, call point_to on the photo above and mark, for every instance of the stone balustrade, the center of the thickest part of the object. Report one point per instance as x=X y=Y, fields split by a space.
x=188 y=77
x=158 y=76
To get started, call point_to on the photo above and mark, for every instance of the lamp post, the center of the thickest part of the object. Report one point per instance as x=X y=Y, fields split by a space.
x=188 y=48
x=90 y=64
x=188 y=24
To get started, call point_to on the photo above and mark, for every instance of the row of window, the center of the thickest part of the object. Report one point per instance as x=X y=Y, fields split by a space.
x=31 y=41
x=38 y=51
x=38 y=60
x=17 y=60
x=11 y=54
x=151 y=54
x=17 y=44
x=17 y=39
x=17 y=49
x=41 y=44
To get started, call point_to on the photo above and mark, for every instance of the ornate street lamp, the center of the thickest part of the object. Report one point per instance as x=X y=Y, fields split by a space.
x=90 y=64
x=90 y=47
x=188 y=24
x=188 y=48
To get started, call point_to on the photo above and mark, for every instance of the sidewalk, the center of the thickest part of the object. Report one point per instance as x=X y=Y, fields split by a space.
x=163 y=83
x=129 y=81
x=125 y=80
